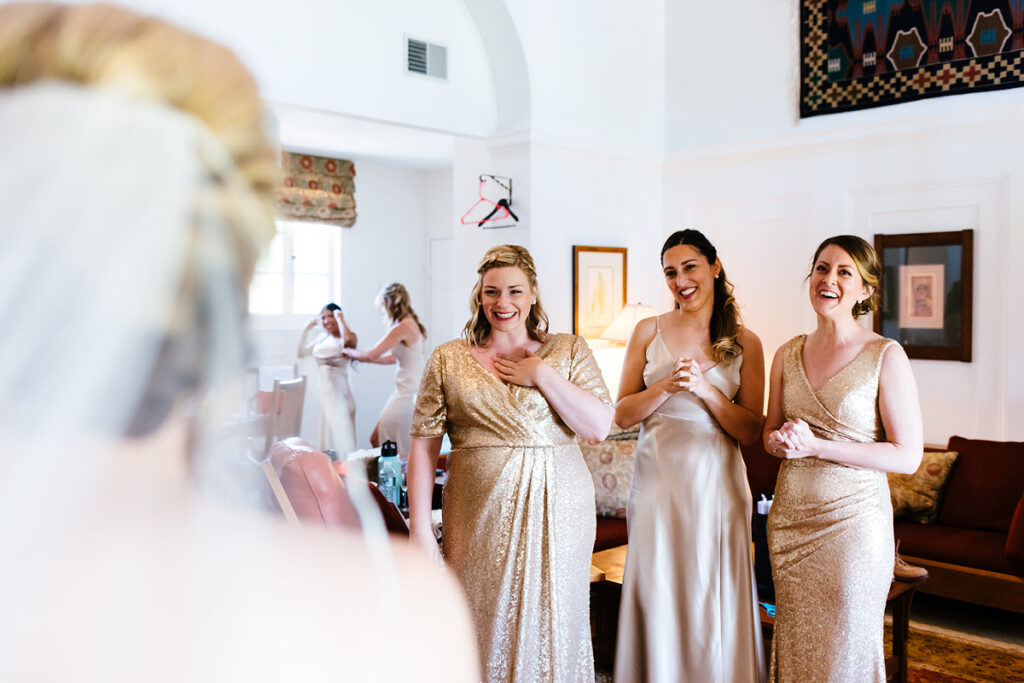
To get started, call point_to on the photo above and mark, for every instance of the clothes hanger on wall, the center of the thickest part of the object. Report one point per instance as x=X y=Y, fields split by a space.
x=492 y=186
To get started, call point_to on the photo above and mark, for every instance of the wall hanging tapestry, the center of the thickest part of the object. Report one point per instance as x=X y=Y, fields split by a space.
x=317 y=189
x=856 y=54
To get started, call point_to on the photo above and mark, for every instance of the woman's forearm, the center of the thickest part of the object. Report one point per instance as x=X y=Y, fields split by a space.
x=635 y=408
x=582 y=411
x=420 y=479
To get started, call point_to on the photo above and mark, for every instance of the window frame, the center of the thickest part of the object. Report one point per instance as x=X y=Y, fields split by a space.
x=289 y=319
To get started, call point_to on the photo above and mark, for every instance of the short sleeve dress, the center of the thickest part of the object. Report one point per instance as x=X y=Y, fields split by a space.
x=518 y=509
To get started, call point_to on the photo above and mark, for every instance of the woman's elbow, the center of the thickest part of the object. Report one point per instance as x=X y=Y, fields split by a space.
x=908 y=462
x=623 y=419
x=751 y=431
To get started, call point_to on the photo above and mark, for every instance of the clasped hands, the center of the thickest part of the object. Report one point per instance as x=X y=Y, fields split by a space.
x=793 y=439
x=686 y=375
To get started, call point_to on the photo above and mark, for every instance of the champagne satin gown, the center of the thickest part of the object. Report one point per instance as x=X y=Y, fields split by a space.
x=830 y=531
x=518 y=511
x=396 y=416
x=338 y=405
x=689 y=603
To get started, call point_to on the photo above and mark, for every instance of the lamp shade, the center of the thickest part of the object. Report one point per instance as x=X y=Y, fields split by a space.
x=622 y=327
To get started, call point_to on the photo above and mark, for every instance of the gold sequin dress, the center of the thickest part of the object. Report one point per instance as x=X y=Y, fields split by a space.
x=830 y=531
x=518 y=510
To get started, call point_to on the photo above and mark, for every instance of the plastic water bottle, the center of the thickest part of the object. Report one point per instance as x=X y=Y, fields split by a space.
x=389 y=472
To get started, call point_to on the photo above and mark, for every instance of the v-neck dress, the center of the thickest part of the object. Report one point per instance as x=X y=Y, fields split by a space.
x=689 y=605
x=518 y=510
x=830 y=531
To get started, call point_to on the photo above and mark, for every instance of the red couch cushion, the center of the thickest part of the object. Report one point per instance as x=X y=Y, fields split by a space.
x=1015 y=539
x=964 y=547
x=985 y=485
x=611 y=533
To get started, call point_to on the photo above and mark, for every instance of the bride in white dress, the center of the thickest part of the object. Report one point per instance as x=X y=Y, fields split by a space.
x=694 y=377
x=325 y=338
x=403 y=344
x=144 y=186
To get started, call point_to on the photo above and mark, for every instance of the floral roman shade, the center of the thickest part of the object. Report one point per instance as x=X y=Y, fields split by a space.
x=317 y=189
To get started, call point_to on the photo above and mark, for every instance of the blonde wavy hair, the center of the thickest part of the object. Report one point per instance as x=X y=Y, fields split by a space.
x=104 y=46
x=478 y=329
x=108 y=48
x=394 y=301
x=726 y=323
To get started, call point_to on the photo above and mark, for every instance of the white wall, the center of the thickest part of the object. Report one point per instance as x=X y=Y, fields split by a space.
x=348 y=56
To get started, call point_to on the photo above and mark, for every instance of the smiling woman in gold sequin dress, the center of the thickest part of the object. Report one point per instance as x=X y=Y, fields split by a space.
x=843 y=410
x=519 y=503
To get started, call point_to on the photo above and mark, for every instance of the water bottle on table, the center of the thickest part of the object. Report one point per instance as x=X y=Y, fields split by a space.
x=389 y=472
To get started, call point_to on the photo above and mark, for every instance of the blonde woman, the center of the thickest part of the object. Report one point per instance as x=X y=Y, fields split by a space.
x=144 y=196
x=519 y=503
x=402 y=344
x=694 y=379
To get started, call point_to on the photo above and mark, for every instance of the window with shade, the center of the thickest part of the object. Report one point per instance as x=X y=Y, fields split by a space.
x=299 y=272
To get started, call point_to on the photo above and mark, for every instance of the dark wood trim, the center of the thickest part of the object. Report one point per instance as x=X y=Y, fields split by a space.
x=978 y=586
x=965 y=240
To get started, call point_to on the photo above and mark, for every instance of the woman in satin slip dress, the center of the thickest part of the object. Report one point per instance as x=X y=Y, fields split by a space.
x=402 y=344
x=694 y=378
x=843 y=411
x=519 y=503
x=325 y=338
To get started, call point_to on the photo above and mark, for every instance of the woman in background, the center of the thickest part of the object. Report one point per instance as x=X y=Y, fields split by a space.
x=144 y=188
x=325 y=337
x=519 y=503
x=694 y=378
x=843 y=411
x=402 y=344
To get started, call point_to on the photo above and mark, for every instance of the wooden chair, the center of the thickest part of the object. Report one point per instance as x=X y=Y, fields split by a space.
x=285 y=416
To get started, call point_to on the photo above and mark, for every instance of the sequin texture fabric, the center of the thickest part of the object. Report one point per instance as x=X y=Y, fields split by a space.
x=830 y=532
x=518 y=510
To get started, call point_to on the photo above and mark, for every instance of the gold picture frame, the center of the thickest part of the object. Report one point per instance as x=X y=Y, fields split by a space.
x=598 y=287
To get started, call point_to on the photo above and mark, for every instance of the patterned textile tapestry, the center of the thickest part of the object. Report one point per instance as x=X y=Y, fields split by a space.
x=867 y=53
x=317 y=189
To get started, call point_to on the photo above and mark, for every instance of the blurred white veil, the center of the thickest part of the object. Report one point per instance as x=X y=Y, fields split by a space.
x=121 y=291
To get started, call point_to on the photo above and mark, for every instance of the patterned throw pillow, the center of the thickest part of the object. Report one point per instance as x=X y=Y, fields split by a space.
x=611 y=466
x=915 y=497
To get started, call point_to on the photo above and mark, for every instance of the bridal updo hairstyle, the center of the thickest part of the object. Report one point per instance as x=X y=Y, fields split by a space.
x=109 y=48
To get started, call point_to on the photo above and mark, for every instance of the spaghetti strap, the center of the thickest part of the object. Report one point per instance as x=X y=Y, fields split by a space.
x=657 y=324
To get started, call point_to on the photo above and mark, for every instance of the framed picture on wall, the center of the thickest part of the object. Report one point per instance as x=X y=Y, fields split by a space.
x=598 y=288
x=927 y=293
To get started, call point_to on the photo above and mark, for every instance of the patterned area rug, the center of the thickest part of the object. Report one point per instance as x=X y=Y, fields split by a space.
x=938 y=655
x=941 y=656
